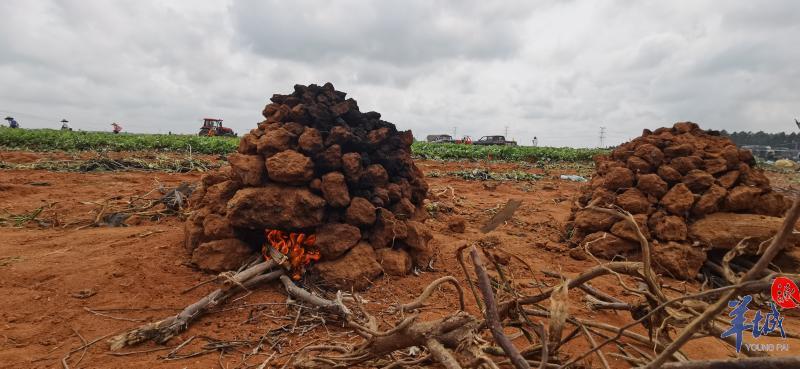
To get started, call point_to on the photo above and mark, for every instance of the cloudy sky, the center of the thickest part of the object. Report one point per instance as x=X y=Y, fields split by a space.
x=558 y=70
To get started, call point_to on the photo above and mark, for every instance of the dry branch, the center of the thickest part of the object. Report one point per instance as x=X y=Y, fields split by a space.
x=790 y=362
x=161 y=331
x=606 y=327
x=451 y=331
x=492 y=318
x=539 y=329
x=426 y=294
x=623 y=267
x=649 y=275
x=593 y=343
x=336 y=307
x=763 y=262
x=586 y=287
x=455 y=332
x=440 y=353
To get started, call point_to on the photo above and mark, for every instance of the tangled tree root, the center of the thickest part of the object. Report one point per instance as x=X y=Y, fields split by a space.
x=456 y=340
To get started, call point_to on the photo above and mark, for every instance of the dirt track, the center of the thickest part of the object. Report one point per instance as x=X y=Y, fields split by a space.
x=140 y=269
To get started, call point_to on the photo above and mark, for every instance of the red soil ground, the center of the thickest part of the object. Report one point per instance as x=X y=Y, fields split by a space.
x=141 y=270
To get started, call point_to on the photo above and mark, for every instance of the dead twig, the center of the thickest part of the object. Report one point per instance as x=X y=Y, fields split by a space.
x=726 y=270
x=460 y=258
x=586 y=287
x=492 y=318
x=128 y=353
x=624 y=267
x=539 y=329
x=440 y=353
x=426 y=294
x=649 y=276
x=789 y=362
x=763 y=262
x=593 y=343
x=161 y=331
x=109 y=316
x=596 y=304
x=336 y=307
x=207 y=281
x=85 y=346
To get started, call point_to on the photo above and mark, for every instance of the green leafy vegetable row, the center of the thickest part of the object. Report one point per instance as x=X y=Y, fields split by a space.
x=49 y=140
x=507 y=153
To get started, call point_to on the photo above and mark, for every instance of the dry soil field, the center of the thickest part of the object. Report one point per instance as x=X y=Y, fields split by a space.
x=63 y=282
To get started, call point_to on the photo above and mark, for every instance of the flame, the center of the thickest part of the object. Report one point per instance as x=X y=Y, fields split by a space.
x=296 y=248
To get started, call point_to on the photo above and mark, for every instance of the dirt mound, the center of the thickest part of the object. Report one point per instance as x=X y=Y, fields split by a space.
x=669 y=179
x=316 y=166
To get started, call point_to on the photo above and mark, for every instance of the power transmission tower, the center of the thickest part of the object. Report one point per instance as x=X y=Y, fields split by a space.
x=602 y=136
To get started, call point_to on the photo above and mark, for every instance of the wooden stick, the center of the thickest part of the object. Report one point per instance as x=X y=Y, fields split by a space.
x=460 y=258
x=624 y=267
x=789 y=362
x=749 y=286
x=649 y=276
x=597 y=304
x=440 y=353
x=586 y=287
x=606 y=327
x=593 y=343
x=763 y=262
x=335 y=307
x=426 y=294
x=161 y=331
x=492 y=318
x=539 y=328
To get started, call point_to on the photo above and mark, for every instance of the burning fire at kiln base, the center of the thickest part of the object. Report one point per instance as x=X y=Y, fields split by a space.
x=293 y=251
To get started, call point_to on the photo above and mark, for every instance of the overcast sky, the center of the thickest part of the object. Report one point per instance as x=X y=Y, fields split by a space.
x=558 y=70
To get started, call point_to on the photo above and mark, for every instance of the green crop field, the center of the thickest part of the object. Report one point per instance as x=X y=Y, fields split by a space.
x=507 y=153
x=50 y=140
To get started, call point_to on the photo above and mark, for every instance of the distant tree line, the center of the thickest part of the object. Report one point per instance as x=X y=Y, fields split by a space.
x=776 y=140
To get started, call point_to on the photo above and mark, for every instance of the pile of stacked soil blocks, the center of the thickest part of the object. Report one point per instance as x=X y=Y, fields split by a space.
x=691 y=191
x=317 y=166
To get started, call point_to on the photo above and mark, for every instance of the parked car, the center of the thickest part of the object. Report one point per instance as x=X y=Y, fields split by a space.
x=495 y=140
x=440 y=138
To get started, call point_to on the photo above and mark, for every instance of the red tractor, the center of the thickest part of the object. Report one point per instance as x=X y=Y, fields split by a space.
x=213 y=127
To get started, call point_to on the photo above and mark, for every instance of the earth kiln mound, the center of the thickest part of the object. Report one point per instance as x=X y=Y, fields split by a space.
x=689 y=190
x=319 y=184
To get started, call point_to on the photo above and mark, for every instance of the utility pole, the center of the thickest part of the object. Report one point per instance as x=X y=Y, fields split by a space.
x=455 y=129
x=506 y=132
x=602 y=136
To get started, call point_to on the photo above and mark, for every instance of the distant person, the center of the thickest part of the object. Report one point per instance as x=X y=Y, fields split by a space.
x=12 y=122
x=535 y=141
x=116 y=128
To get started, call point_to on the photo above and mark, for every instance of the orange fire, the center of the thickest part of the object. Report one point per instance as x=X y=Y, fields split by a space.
x=294 y=246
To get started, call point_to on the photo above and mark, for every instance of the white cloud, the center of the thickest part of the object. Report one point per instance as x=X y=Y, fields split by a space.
x=556 y=70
